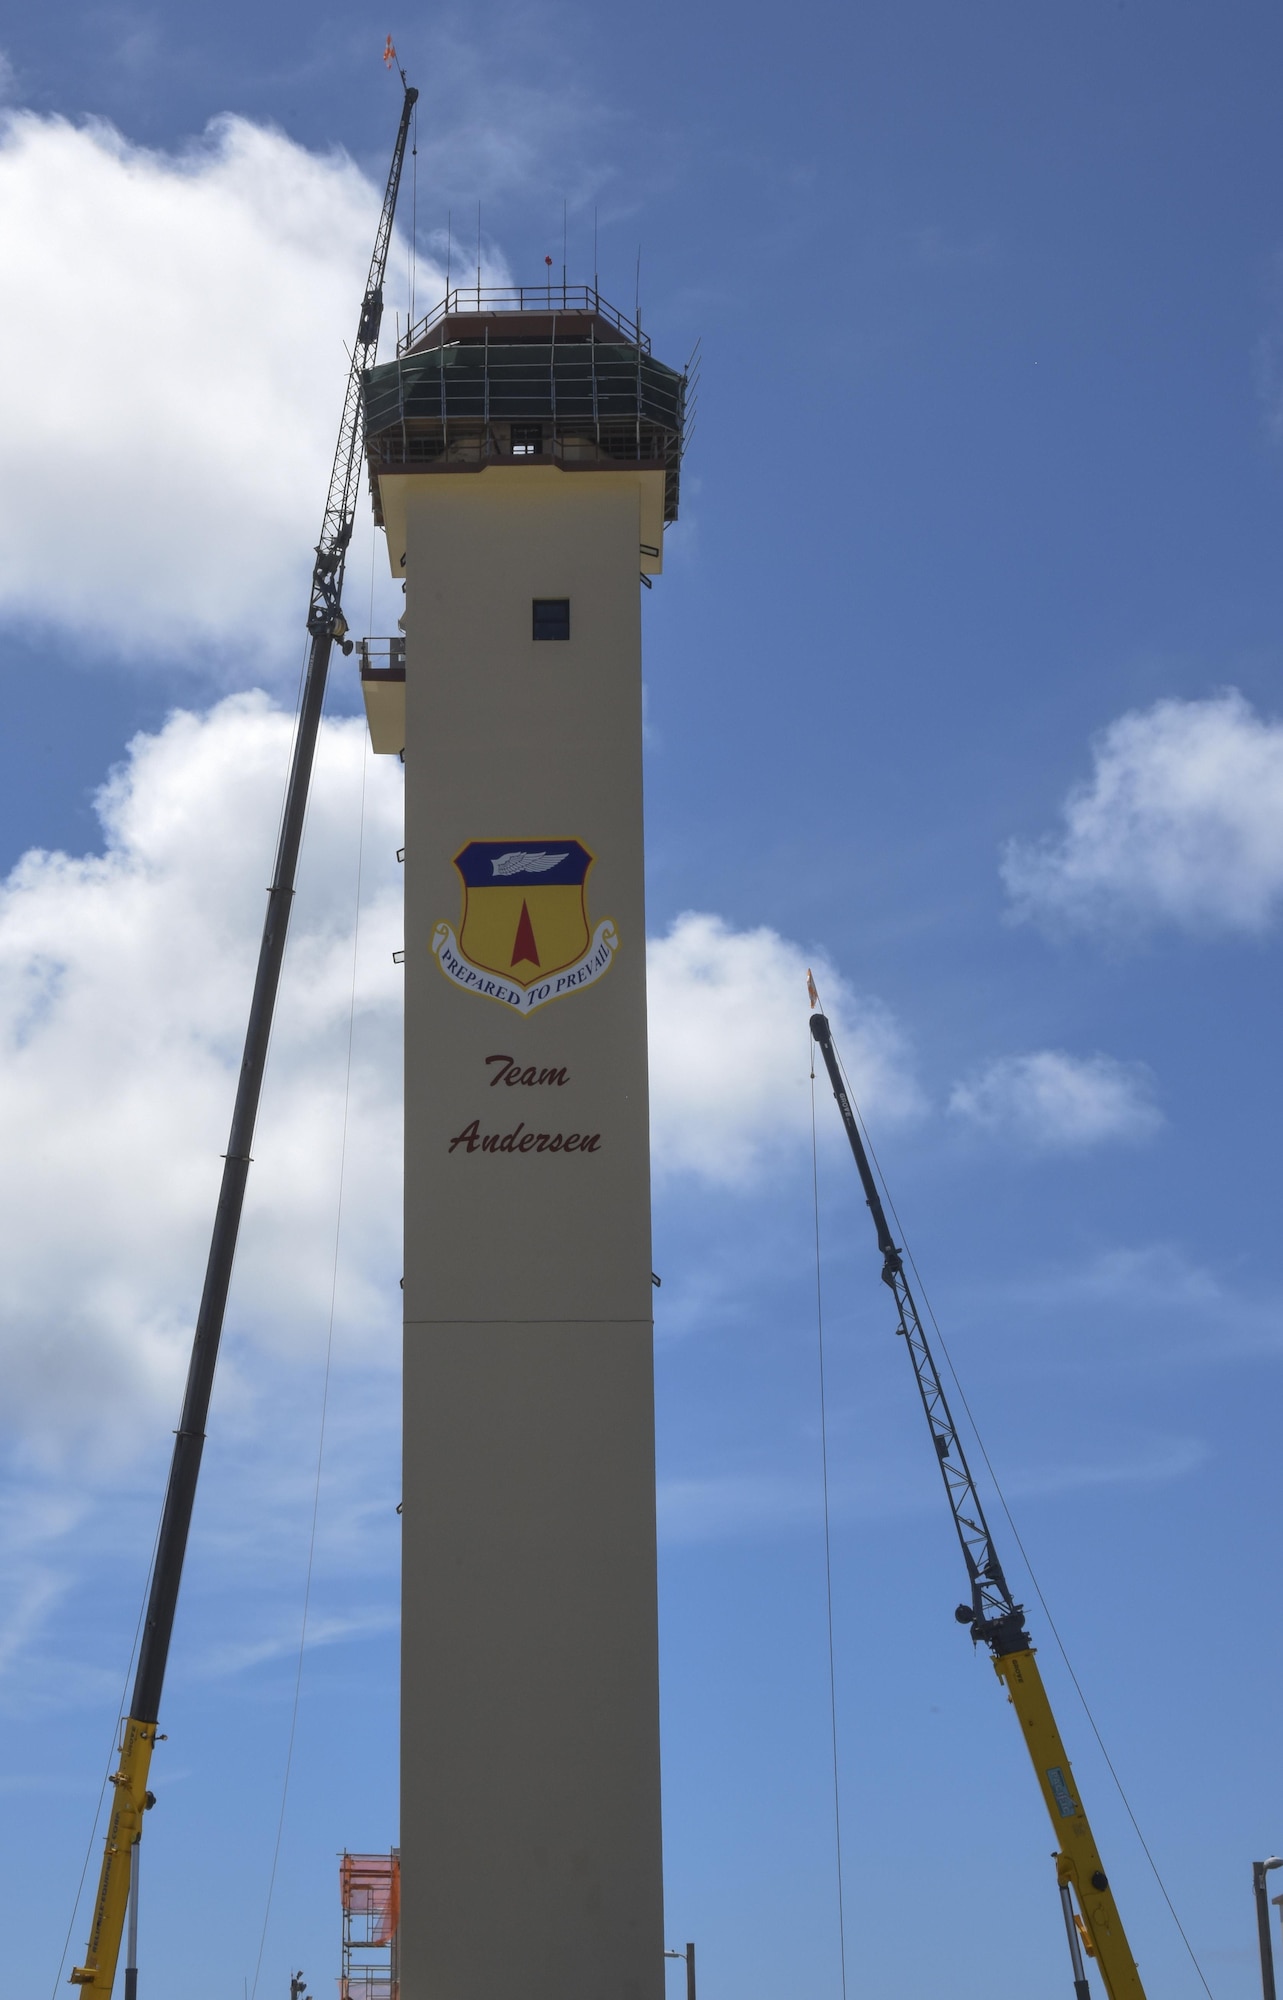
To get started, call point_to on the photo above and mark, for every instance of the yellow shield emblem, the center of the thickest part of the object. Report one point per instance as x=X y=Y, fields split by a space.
x=525 y=911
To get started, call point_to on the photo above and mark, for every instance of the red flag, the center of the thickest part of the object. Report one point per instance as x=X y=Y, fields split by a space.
x=811 y=988
x=389 y=53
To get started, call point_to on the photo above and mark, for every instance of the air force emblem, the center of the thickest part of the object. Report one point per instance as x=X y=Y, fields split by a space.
x=525 y=935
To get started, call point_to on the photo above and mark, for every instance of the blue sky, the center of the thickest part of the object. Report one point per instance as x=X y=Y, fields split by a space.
x=963 y=685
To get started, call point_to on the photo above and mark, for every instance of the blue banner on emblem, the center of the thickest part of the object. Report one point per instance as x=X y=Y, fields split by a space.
x=492 y=864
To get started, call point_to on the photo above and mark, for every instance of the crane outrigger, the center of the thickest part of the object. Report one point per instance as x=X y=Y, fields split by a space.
x=327 y=627
x=994 y=1617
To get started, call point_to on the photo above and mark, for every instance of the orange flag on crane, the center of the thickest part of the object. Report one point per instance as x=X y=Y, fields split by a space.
x=812 y=991
x=389 y=53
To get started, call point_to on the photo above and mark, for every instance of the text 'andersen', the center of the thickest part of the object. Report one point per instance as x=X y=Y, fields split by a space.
x=473 y=1140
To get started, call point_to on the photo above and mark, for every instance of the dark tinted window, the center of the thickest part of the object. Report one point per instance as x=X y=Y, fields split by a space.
x=552 y=618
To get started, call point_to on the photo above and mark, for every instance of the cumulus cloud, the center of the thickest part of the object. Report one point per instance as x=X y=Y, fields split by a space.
x=1157 y=1278
x=170 y=389
x=1056 y=1102
x=1180 y=823
x=124 y=979
x=124 y=984
x=730 y=1048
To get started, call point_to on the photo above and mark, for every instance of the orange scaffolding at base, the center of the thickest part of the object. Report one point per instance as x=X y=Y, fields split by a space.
x=370 y=1892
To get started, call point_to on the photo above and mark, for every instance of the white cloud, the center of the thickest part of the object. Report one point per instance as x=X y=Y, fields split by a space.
x=1156 y=1278
x=124 y=984
x=886 y=1483
x=730 y=1049
x=1058 y=1102
x=171 y=376
x=1181 y=822
x=1141 y=1462
x=1159 y=1295
x=721 y=1506
x=935 y=249
x=496 y=129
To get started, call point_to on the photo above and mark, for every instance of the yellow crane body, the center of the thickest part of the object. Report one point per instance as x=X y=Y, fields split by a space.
x=124 y=1827
x=1077 y=1862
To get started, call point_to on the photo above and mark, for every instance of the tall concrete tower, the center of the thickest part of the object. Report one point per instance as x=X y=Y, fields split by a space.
x=524 y=451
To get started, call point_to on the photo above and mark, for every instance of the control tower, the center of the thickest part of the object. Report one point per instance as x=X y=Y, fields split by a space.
x=524 y=451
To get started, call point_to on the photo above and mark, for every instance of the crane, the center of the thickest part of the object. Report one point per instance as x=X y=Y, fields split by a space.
x=326 y=627
x=994 y=1617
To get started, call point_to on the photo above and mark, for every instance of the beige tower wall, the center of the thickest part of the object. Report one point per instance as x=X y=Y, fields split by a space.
x=530 y=1831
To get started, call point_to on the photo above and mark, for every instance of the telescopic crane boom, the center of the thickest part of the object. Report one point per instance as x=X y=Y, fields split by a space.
x=326 y=626
x=994 y=1616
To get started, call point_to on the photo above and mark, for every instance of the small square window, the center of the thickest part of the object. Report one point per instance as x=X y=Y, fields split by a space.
x=527 y=440
x=552 y=618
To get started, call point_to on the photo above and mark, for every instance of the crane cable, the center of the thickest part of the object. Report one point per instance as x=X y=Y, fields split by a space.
x=325 y=1388
x=1002 y=1501
x=414 y=217
x=828 y=1547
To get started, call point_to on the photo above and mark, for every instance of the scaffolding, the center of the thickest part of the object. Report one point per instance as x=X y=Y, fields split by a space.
x=552 y=375
x=370 y=1892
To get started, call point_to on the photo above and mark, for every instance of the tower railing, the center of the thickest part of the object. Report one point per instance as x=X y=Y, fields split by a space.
x=464 y=299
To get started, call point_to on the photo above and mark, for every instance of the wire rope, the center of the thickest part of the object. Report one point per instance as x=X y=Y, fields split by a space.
x=828 y=1543
x=1016 y=1535
x=414 y=212
x=325 y=1392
